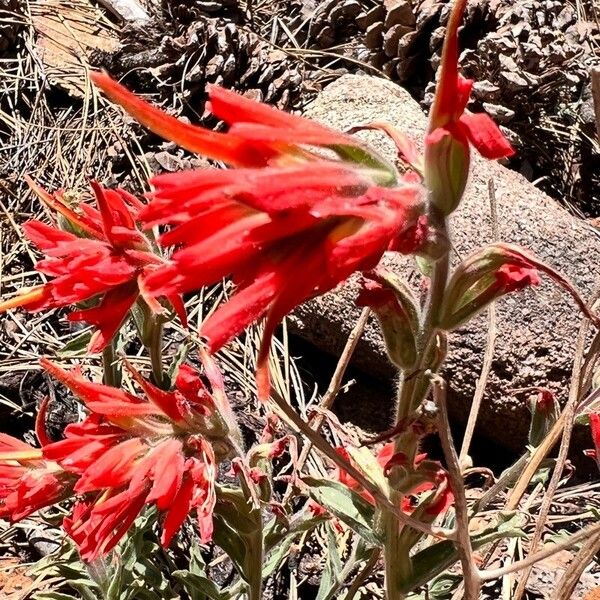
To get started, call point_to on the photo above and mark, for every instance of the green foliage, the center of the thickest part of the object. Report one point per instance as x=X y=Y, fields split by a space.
x=348 y=506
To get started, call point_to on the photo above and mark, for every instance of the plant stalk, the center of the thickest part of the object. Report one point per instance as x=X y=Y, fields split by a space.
x=155 y=343
x=111 y=370
x=398 y=566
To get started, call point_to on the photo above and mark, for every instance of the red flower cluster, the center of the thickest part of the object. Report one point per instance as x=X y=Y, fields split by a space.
x=129 y=452
x=103 y=258
x=286 y=225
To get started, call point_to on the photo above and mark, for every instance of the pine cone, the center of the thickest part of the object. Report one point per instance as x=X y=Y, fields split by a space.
x=209 y=50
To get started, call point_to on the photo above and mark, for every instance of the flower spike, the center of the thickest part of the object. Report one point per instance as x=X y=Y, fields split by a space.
x=452 y=128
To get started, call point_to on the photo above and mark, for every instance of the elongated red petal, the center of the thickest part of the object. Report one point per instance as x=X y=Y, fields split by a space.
x=109 y=315
x=97 y=394
x=236 y=109
x=180 y=508
x=220 y=146
x=447 y=95
x=300 y=275
x=486 y=136
x=54 y=203
x=243 y=308
x=46 y=237
x=113 y=210
x=167 y=473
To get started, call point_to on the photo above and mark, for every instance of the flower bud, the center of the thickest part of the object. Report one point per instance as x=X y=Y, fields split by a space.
x=482 y=278
x=447 y=160
x=397 y=313
x=544 y=413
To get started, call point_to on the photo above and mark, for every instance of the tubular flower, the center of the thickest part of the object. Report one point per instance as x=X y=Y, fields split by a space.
x=452 y=128
x=103 y=257
x=162 y=449
x=286 y=226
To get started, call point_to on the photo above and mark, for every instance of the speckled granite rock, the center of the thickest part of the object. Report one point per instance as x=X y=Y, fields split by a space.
x=536 y=328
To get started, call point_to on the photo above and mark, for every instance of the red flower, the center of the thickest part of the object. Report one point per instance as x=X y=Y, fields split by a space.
x=131 y=452
x=103 y=260
x=290 y=225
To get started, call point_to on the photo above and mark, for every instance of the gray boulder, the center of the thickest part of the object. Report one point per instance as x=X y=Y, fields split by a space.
x=537 y=328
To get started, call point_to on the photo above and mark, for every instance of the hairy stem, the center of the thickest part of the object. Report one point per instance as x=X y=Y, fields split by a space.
x=472 y=580
x=413 y=390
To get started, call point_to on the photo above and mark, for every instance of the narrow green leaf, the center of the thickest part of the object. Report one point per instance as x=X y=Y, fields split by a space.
x=76 y=346
x=330 y=580
x=345 y=504
x=52 y=596
x=431 y=561
x=198 y=583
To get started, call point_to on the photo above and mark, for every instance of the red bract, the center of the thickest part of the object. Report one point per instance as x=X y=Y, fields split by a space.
x=128 y=453
x=290 y=225
x=103 y=260
x=513 y=278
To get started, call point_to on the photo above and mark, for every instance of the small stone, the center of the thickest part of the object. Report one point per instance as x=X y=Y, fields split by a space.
x=392 y=38
x=399 y=12
x=366 y=19
x=373 y=35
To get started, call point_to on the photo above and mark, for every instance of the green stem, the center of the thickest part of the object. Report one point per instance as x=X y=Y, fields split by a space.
x=155 y=349
x=112 y=372
x=398 y=567
x=256 y=571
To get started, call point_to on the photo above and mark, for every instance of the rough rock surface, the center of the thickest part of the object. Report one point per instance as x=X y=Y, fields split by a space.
x=536 y=328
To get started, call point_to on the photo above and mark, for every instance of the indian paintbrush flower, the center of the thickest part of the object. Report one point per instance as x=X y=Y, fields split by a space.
x=102 y=257
x=160 y=449
x=286 y=225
